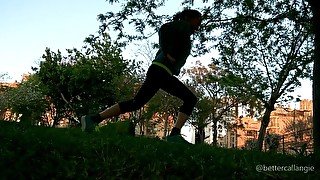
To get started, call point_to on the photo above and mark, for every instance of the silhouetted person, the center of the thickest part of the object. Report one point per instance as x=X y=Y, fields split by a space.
x=175 y=47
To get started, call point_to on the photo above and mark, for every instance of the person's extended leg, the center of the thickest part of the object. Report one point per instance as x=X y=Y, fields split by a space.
x=145 y=93
x=112 y=111
x=178 y=89
x=181 y=120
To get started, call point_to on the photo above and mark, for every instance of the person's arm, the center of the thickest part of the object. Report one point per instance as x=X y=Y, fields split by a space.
x=167 y=41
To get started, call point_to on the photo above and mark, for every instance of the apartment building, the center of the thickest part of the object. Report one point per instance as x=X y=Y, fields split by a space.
x=283 y=121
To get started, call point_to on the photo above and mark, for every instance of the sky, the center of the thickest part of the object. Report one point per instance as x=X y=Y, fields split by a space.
x=27 y=27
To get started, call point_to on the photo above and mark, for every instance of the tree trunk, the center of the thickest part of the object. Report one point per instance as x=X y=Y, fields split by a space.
x=142 y=128
x=316 y=76
x=200 y=135
x=214 y=133
x=165 y=133
x=264 y=124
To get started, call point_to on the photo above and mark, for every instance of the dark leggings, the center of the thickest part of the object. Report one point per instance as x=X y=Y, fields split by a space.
x=158 y=78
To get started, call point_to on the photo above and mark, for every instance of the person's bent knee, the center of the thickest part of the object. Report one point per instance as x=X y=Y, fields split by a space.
x=193 y=100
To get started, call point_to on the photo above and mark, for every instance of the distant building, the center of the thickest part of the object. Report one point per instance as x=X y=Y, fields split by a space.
x=289 y=123
x=11 y=85
x=283 y=121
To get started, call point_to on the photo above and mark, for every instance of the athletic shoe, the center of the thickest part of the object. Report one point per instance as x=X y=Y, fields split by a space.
x=87 y=125
x=177 y=139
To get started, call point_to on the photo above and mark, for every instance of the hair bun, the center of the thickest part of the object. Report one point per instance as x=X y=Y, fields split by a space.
x=185 y=14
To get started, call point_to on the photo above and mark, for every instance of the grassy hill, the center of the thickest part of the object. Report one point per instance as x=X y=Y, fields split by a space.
x=29 y=152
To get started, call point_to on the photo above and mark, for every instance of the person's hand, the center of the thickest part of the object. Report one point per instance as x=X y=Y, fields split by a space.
x=171 y=59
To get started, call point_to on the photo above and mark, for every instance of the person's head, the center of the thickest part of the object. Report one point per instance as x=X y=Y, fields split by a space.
x=190 y=15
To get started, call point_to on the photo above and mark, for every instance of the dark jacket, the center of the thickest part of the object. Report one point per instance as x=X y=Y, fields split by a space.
x=174 y=39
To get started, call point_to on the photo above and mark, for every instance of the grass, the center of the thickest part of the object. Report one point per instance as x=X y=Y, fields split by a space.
x=30 y=152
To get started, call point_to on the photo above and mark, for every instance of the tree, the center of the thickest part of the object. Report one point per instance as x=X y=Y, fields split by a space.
x=270 y=55
x=26 y=99
x=146 y=51
x=85 y=81
x=219 y=95
x=315 y=7
x=165 y=106
x=201 y=118
x=266 y=43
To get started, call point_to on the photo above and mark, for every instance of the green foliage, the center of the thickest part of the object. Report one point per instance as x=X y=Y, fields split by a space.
x=300 y=151
x=29 y=152
x=273 y=141
x=87 y=80
x=136 y=15
x=270 y=49
x=219 y=95
x=26 y=99
x=266 y=47
x=251 y=144
x=163 y=102
x=268 y=44
x=201 y=114
x=165 y=105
